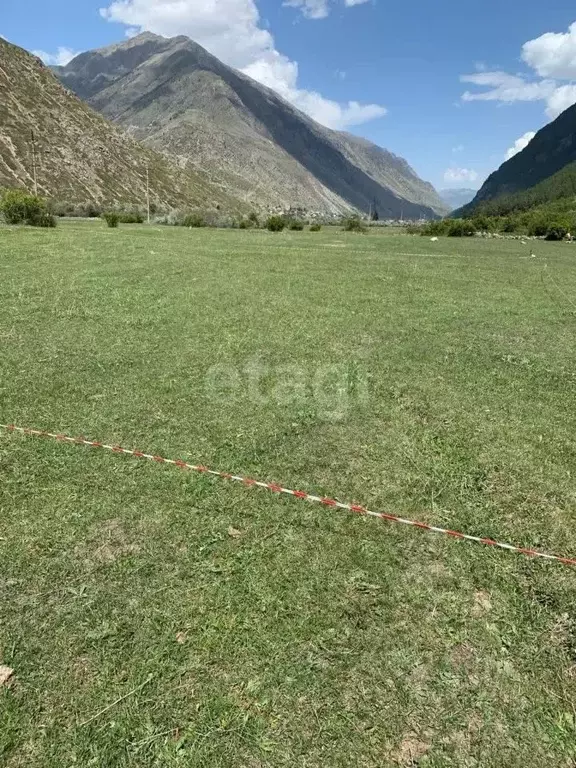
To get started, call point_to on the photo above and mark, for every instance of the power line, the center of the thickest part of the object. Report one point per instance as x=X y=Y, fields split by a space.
x=34 y=173
x=148 y=190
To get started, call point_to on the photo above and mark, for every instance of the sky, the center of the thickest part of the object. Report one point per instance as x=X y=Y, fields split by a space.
x=454 y=87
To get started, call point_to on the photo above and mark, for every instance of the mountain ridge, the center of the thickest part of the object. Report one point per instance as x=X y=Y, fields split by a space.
x=175 y=96
x=549 y=152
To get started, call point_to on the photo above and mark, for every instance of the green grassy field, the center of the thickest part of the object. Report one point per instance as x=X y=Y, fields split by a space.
x=158 y=618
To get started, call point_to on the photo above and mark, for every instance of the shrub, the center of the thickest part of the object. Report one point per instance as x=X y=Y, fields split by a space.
x=19 y=207
x=90 y=211
x=353 y=224
x=538 y=227
x=193 y=220
x=111 y=218
x=225 y=221
x=556 y=232
x=44 y=219
x=435 y=228
x=461 y=228
x=482 y=224
x=275 y=223
x=296 y=226
x=251 y=221
x=509 y=224
x=171 y=219
x=413 y=229
x=315 y=227
x=61 y=208
x=84 y=210
x=449 y=227
x=132 y=217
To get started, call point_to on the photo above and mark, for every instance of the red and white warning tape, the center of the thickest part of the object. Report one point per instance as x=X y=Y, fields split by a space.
x=326 y=501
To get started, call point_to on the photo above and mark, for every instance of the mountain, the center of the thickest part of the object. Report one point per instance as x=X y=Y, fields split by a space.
x=551 y=150
x=456 y=198
x=79 y=155
x=554 y=195
x=178 y=98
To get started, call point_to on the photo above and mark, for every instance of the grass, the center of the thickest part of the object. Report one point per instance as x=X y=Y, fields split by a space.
x=142 y=633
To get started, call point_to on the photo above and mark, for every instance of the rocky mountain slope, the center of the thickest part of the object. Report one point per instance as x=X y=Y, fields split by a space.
x=551 y=150
x=178 y=98
x=79 y=155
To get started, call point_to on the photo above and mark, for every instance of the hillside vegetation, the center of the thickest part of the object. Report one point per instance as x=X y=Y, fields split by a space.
x=79 y=155
x=557 y=191
x=551 y=150
x=547 y=209
x=542 y=175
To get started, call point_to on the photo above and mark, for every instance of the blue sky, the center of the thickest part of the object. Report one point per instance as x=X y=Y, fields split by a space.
x=390 y=71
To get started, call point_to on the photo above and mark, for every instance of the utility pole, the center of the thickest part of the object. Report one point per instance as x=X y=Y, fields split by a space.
x=33 y=137
x=148 y=190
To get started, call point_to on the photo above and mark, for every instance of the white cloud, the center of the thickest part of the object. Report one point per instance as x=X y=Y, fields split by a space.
x=552 y=56
x=458 y=148
x=460 y=175
x=279 y=73
x=562 y=98
x=512 y=88
x=319 y=9
x=520 y=144
x=312 y=9
x=62 y=56
x=508 y=88
x=233 y=31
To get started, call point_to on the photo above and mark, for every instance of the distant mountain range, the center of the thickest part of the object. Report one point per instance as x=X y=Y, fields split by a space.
x=456 y=198
x=240 y=136
x=75 y=153
x=542 y=172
